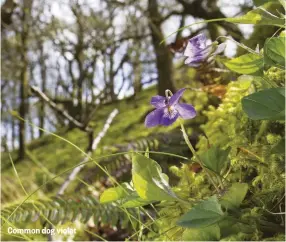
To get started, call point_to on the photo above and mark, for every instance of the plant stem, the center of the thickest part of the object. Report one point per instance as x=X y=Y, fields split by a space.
x=197 y=157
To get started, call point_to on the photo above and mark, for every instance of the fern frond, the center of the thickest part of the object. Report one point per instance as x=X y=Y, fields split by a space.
x=63 y=209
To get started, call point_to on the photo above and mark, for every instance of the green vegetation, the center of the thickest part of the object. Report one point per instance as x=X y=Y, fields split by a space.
x=218 y=176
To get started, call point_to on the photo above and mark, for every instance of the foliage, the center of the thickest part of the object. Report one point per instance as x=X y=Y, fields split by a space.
x=230 y=127
x=60 y=210
x=237 y=194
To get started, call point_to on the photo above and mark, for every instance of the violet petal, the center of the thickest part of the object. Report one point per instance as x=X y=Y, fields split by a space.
x=154 y=118
x=176 y=97
x=158 y=101
x=168 y=119
x=195 y=44
x=186 y=111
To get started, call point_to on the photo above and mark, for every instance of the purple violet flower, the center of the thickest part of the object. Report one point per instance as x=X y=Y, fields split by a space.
x=168 y=109
x=198 y=51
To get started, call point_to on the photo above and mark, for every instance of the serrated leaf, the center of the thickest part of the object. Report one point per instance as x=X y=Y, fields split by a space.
x=274 y=51
x=215 y=158
x=259 y=16
x=268 y=104
x=149 y=181
x=204 y=214
x=234 y=196
x=246 y=64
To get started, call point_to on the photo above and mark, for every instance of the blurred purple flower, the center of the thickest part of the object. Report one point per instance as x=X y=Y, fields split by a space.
x=168 y=109
x=198 y=51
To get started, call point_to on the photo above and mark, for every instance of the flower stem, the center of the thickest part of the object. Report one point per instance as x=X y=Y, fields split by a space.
x=196 y=156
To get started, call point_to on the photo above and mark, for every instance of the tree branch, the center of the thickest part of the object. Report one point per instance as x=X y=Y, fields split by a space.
x=62 y=112
x=92 y=147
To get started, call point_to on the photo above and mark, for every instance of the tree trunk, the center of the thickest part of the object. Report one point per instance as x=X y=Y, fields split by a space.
x=111 y=75
x=137 y=70
x=13 y=134
x=23 y=99
x=164 y=59
x=26 y=11
x=43 y=87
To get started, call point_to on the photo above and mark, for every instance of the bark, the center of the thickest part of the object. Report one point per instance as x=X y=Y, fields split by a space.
x=137 y=70
x=111 y=76
x=23 y=49
x=43 y=87
x=7 y=10
x=13 y=134
x=164 y=59
x=23 y=95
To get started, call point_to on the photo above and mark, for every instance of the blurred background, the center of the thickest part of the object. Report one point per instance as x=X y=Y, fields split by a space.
x=83 y=52
x=67 y=64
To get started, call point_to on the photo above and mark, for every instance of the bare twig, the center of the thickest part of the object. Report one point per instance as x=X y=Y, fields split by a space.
x=61 y=111
x=92 y=147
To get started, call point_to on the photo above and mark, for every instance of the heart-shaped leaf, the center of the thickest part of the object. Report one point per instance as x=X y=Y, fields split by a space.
x=205 y=213
x=149 y=181
x=274 y=52
x=215 y=158
x=268 y=104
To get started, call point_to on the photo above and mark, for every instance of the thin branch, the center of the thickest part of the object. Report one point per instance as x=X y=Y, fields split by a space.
x=93 y=146
x=61 y=111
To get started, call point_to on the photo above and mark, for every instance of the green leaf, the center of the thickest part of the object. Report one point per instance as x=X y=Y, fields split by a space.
x=210 y=233
x=205 y=213
x=215 y=158
x=149 y=181
x=279 y=148
x=133 y=200
x=124 y=194
x=268 y=104
x=246 y=64
x=274 y=51
x=259 y=16
x=115 y=193
x=234 y=196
